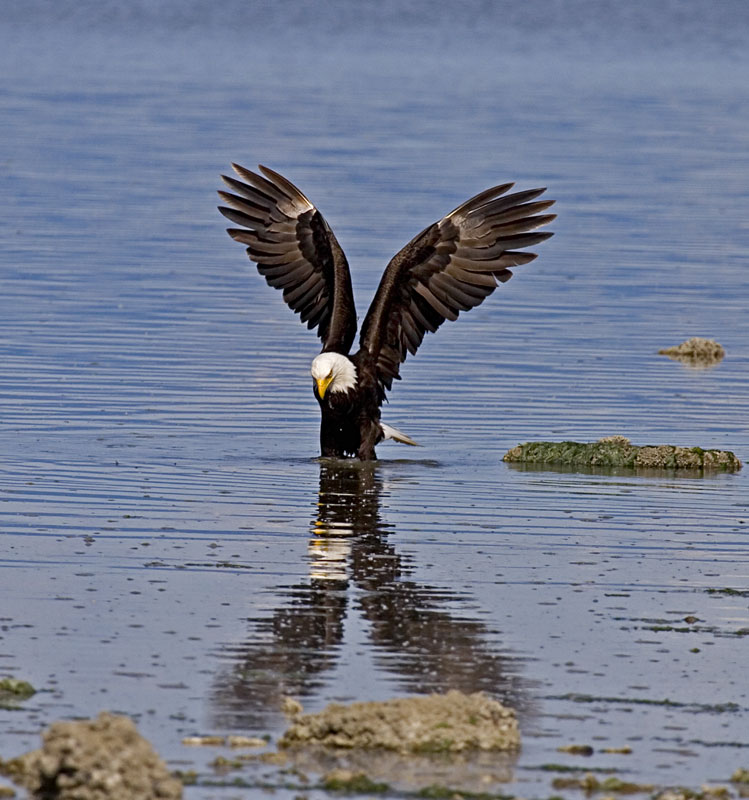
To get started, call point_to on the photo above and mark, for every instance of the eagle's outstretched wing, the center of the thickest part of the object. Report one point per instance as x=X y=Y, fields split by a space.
x=450 y=267
x=295 y=250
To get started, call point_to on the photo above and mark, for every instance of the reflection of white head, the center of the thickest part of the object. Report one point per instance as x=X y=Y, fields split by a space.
x=333 y=372
x=329 y=550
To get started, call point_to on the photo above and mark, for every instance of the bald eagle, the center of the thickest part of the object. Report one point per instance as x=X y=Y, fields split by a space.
x=451 y=266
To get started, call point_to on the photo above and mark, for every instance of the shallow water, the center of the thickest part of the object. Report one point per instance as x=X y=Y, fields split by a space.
x=170 y=548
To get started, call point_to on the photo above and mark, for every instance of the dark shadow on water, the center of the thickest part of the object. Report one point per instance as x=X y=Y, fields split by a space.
x=414 y=631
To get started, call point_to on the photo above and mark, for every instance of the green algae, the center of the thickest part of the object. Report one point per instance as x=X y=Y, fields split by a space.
x=590 y=784
x=17 y=688
x=439 y=792
x=14 y=691
x=187 y=777
x=572 y=768
x=618 y=451
x=352 y=783
x=710 y=708
x=576 y=749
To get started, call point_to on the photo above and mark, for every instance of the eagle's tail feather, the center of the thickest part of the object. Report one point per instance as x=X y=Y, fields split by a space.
x=389 y=432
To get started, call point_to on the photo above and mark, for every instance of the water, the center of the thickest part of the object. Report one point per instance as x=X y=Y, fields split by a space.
x=169 y=546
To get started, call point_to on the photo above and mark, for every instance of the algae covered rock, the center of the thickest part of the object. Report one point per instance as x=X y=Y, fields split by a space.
x=438 y=723
x=14 y=691
x=696 y=352
x=96 y=759
x=16 y=687
x=618 y=451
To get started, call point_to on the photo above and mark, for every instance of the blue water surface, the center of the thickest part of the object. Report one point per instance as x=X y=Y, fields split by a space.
x=169 y=546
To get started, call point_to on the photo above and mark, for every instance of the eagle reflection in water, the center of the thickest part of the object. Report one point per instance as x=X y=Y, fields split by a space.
x=414 y=636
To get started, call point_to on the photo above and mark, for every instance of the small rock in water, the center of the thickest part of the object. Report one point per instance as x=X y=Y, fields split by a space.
x=245 y=741
x=16 y=687
x=576 y=749
x=696 y=352
x=445 y=723
x=291 y=707
x=97 y=759
x=203 y=741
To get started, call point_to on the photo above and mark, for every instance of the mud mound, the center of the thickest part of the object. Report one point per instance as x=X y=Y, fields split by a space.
x=438 y=723
x=618 y=451
x=96 y=759
x=696 y=352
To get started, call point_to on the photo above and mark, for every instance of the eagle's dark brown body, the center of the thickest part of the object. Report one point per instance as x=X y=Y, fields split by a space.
x=450 y=267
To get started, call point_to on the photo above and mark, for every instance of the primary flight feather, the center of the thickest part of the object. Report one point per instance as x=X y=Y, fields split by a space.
x=451 y=266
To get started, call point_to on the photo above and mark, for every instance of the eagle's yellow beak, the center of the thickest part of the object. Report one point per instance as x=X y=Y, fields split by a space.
x=322 y=385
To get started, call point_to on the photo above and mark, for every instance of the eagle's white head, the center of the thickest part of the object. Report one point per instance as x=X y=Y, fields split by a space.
x=333 y=372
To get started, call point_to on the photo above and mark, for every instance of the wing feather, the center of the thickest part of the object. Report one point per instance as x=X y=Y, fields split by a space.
x=451 y=292
x=296 y=270
x=313 y=313
x=429 y=295
x=451 y=266
x=429 y=322
x=303 y=292
x=295 y=251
